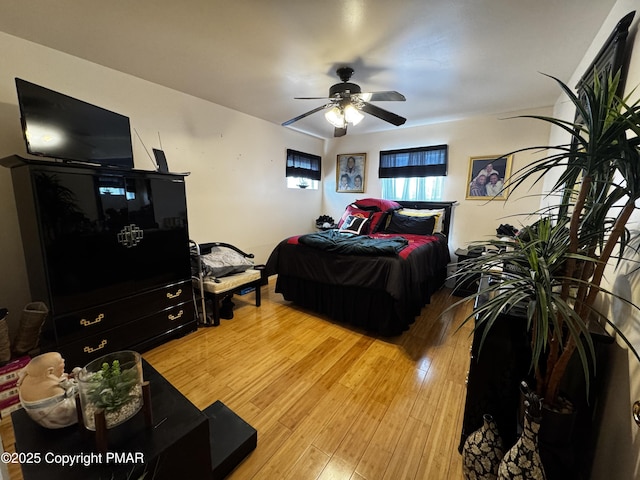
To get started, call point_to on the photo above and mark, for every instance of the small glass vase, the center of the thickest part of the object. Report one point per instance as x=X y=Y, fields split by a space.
x=522 y=461
x=112 y=383
x=482 y=452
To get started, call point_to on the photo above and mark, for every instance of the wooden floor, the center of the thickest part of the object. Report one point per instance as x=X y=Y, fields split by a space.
x=329 y=402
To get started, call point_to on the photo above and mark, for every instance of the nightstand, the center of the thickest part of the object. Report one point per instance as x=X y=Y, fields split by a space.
x=469 y=286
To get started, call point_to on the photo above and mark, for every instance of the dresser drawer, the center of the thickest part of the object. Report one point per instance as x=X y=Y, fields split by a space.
x=109 y=315
x=80 y=352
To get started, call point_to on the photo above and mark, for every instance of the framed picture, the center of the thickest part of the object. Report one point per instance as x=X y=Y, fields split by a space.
x=487 y=177
x=350 y=172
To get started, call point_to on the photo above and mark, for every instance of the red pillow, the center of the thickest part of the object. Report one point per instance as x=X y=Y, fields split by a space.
x=381 y=203
x=382 y=206
x=356 y=212
x=376 y=221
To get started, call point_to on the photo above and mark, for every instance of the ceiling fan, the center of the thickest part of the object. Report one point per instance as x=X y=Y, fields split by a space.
x=346 y=101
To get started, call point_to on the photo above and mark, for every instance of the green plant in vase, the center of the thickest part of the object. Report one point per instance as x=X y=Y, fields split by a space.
x=112 y=388
x=112 y=383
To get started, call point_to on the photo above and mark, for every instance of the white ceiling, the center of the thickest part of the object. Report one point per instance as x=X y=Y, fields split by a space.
x=450 y=58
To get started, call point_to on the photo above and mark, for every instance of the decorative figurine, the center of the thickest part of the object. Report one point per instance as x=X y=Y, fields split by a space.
x=47 y=393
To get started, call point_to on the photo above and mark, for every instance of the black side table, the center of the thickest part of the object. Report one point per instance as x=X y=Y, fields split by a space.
x=469 y=286
x=177 y=446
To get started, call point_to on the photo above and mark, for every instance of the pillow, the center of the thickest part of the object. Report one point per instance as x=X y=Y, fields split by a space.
x=352 y=210
x=368 y=208
x=380 y=207
x=439 y=213
x=377 y=221
x=411 y=225
x=381 y=203
x=224 y=261
x=353 y=224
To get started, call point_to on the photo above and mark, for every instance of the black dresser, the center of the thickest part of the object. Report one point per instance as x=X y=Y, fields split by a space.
x=107 y=250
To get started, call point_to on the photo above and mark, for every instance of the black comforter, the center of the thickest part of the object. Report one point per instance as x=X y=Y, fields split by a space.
x=347 y=244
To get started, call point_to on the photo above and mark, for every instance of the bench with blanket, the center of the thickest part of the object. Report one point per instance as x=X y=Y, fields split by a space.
x=218 y=271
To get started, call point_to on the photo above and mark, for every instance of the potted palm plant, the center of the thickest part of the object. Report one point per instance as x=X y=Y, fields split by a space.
x=553 y=270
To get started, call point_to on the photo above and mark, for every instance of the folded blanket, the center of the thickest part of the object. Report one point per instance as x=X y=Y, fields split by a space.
x=347 y=244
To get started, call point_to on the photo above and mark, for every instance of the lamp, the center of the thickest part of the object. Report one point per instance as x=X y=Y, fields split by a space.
x=335 y=117
x=352 y=115
x=339 y=115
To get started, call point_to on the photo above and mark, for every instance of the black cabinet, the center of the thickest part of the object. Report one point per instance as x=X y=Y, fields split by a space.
x=107 y=250
x=494 y=377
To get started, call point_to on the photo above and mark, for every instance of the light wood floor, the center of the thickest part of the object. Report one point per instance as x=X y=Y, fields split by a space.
x=329 y=402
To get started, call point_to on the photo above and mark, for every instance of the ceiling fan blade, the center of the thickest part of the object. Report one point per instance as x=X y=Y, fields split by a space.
x=390 y=95
x=310 y=112
x=382 y=114
x=339 y=132
x=311 y=98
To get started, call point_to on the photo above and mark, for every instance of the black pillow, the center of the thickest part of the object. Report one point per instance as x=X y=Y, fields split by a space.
x=411 y=225
x=353 y=224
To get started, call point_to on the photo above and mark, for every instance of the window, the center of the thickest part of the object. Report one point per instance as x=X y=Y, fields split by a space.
x=427 y=189
x=117 y=191
x=303 y=170
x=413 y=173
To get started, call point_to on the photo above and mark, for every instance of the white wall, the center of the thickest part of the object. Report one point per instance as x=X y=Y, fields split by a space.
x=618 y=448
x=480 y=136
x=236 y=191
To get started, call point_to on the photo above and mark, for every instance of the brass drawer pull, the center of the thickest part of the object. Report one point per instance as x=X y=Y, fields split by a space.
x=87 y=323
x=177 y=316
x=174 y=295
x=102 y=344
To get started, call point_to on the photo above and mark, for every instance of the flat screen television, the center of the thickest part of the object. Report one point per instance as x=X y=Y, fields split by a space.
x=65 y=128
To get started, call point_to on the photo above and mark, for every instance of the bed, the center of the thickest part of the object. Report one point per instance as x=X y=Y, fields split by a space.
x=378 y=278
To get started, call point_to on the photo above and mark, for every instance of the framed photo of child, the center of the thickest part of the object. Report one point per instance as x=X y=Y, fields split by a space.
x=350 y=172
x=487 y=176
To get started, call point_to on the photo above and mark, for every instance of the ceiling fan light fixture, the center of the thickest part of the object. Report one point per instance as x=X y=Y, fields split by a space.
x=352 y=115
x=335 y=117
x=347 y=103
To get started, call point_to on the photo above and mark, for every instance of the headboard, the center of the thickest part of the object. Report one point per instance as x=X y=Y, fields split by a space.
x=448 y=211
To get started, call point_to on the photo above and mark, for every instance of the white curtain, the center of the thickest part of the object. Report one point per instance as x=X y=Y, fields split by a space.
x=414 y=188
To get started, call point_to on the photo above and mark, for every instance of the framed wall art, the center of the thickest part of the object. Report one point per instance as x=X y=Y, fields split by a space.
x=487 y=177
x=350 y=172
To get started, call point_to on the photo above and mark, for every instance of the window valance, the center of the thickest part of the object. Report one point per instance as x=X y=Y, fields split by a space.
x=303 y=165
x=414 y=162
